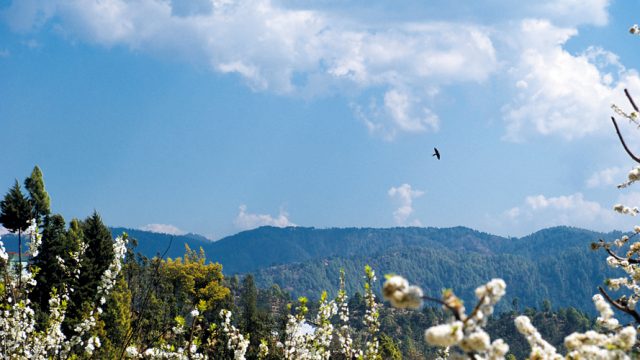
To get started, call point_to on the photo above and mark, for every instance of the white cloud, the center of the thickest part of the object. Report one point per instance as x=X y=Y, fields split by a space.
x=559 y=93
x=3 y=231
x=390 y=72
x=606 y=177
x=163 y=229
x=247 y=221
x=269 y=45
x=540 y=211
x=404 y=196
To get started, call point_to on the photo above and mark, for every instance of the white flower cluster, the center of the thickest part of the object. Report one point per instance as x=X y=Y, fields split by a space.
x=371 y=321
x=400 y=294
x=632 y=176
x=236 y=342
x=588 y=345
x=106 y=284
x=465 y=332
x=324 y=333
x=19 y=338
x=631 y=282
x=344 y=332
x=540 y=349
x=622 y=209
x=633 y=116
x=606 y=318
x=35 y=238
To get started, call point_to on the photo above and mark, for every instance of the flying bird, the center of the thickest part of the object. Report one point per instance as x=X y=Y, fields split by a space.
x=436 y=153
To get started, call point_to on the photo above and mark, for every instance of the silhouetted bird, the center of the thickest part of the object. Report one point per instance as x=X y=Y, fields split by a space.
x=436 y=153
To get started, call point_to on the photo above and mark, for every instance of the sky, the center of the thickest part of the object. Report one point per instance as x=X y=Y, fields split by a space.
x=217 y=116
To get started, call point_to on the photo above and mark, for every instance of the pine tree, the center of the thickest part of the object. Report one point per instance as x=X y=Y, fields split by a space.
x=248 y=304
x=15 y=213
x=39 y=197
x=97 y=257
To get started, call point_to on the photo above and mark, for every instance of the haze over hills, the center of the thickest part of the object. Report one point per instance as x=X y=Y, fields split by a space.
x=555 y=263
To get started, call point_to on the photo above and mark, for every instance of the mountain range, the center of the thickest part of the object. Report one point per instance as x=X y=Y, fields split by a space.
x=554 y=264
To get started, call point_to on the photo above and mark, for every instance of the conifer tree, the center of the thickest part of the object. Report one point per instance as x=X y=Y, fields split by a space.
x=96 y=259
x=248 y=303
x=39 y=197
x=15 y=213
x=251 y=319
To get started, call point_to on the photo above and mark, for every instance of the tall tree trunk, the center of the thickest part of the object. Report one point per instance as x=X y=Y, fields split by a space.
x=19 y=259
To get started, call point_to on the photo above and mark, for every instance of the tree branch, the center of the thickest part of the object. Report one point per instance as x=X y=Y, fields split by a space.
x=622 y=141
x=617 y=257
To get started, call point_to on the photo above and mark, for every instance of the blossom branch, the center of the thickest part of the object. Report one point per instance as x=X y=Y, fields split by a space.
x=619 y=306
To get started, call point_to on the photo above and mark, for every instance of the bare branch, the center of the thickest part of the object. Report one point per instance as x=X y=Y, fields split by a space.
x=622 y=141
x=626 y=92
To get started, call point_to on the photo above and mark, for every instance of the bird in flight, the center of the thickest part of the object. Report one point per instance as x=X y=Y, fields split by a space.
x=436 y=153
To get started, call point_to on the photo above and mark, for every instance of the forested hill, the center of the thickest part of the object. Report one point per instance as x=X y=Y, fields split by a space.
x=554 y=263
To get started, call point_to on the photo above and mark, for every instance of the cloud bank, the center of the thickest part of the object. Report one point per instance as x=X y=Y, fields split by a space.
x=392 y=73
x=246 y=220
x=541 y=211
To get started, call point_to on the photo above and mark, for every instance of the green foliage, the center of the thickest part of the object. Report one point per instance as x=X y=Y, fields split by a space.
x=38 y=195
x=54 y=261
x=117 y=319
x=533 y=274
x=389 y=349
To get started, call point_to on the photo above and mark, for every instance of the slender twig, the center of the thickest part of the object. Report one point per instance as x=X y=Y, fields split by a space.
x=145 y=301
x=626 y=92
x=451 y=308
x=626 y=148
x=619 y=306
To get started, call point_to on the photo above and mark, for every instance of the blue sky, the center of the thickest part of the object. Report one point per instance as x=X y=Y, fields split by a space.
x=215 y=116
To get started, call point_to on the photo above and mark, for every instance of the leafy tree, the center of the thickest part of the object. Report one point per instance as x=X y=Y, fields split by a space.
x=15 y=213
x=116 y=319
